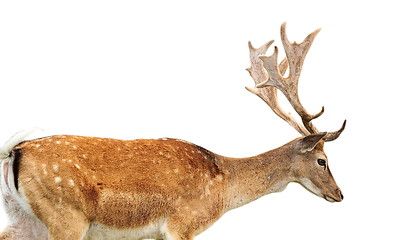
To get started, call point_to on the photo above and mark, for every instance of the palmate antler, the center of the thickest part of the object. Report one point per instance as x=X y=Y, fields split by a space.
x=268 y=77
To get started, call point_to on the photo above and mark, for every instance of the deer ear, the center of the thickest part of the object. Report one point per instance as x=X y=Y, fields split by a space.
x=309 y=142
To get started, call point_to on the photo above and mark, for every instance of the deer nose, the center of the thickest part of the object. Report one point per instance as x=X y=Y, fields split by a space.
x=340 y=193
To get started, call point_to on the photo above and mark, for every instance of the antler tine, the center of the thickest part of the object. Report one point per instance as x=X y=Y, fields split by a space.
x=296 y=54
x=269 y=94
x=330 y=136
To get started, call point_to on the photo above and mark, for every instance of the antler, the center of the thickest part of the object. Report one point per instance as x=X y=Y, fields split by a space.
x=268 y=81
x=269 y=94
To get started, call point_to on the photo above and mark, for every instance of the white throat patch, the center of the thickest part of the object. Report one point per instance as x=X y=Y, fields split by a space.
x=307 y=183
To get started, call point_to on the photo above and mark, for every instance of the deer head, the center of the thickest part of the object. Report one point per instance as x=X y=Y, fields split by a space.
x=310 y=168
x=309 y=162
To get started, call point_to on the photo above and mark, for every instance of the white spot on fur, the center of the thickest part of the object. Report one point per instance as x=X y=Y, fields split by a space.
x=77 y=166
x=37 y=145
x=176 y=170
x=69 y=160
x=44 y=169
x=219 y=177
x=74 y=147
x=183 y=141
x=206 y=191
x=55 y=167
x=58 y=179
x=58 y=142
x=71 y=182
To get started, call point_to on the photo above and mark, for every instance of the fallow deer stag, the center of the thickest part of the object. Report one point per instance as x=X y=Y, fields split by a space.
x=72 y=187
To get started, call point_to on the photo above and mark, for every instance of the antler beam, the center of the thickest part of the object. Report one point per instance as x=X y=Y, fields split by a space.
x=269 y=76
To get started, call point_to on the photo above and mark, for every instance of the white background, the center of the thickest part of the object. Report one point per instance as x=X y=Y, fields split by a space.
x=126 y=69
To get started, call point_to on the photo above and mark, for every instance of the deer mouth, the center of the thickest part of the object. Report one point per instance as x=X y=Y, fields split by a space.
x=339 y=198
x=330 y=199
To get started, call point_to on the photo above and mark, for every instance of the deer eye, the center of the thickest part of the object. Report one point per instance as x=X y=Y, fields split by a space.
x=321 y=162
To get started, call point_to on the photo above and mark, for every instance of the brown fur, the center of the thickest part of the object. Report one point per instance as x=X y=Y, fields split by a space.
x=6 y=235
x=122 y=184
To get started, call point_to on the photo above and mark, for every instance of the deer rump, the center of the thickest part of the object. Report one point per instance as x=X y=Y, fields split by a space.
x=16 y=206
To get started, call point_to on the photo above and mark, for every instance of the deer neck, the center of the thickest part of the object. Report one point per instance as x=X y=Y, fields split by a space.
x=253 y=177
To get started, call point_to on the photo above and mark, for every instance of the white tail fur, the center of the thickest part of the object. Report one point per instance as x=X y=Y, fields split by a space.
x=14 y=140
